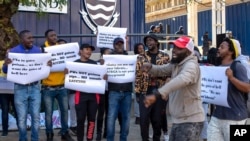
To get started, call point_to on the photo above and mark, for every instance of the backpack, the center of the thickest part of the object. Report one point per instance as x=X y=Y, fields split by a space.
x=244 y=60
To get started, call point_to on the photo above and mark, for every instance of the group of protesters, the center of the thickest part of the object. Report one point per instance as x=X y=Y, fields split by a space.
x=161 y=84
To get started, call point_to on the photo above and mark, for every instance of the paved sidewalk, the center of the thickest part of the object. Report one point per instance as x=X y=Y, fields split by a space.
x=134 y=134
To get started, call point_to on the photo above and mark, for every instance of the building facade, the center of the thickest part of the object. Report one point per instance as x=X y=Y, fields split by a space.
x=78 y=24
x=197 y=17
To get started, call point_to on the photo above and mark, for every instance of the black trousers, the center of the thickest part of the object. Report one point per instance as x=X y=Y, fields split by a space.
x=151 y=114
x=5 y=101
x=101 y=112
x=164 y=122
x=87 y=107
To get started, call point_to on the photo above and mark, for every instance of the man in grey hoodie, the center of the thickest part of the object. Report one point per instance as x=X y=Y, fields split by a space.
x=183 y=91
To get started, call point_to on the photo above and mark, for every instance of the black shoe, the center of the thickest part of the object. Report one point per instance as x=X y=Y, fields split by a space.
x=73 y=131
x=66 y=137
x=104 y=135
x=50 y=136
x=137 y=120
x=4 y=134
x=98 y=137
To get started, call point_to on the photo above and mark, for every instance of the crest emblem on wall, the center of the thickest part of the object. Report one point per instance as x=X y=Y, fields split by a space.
x=99 y=13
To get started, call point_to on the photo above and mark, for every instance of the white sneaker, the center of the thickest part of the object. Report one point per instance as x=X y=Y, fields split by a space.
x=150 y=136
x=166 y=137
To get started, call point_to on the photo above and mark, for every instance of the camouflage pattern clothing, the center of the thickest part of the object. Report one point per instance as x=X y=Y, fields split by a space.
x=144 y=80
x=186 y=131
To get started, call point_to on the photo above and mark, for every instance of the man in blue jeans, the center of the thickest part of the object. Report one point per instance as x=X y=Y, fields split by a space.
x=53 y=88
x=120 y=99
x=27 y=98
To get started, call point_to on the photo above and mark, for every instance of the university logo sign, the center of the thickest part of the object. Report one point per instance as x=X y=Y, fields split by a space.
x=99 y=13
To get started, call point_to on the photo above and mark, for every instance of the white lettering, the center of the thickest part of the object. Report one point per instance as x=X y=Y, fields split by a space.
x=239 y=132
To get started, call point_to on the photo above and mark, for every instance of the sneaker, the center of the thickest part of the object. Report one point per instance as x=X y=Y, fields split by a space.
x=150 y=136
x=73 y=131
x=104 y=135
x=4 y=134
x=166 y=137
x=66 y=137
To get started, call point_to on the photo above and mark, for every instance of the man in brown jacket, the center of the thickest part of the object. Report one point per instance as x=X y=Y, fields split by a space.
x=183 y=91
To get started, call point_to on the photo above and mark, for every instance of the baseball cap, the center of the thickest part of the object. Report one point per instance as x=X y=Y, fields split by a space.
x=118 y=39
x=184 y=42
x=87 y=46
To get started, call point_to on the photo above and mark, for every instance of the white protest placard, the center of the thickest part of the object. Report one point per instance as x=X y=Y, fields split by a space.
x=28 y=68
x=106 y=36
x=6 y=87
x=120 y=68
x=62 y=53
x=85 y=77
x=214 y=83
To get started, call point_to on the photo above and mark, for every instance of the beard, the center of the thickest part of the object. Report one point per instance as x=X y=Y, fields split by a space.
x=179 y=58
x=151 y=48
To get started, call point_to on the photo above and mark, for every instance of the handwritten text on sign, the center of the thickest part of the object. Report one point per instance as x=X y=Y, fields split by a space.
x=214 y=84
x=62 y=53
x=120 y=68
x=85 y=77
x=106 y=36
x=28 y=68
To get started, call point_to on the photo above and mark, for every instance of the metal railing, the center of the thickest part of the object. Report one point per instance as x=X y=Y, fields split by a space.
x=163 y=38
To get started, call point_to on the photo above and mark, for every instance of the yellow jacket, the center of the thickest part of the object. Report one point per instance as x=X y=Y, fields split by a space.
x=54 y=78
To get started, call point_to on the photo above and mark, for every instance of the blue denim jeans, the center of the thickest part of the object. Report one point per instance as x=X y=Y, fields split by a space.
x=119 y=101
x=28 y=99
x=49 y=96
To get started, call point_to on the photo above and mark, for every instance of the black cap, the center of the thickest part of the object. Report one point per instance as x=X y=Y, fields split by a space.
x=87 y=46
x=153 y=36
x=152 y=27
x=118 y=39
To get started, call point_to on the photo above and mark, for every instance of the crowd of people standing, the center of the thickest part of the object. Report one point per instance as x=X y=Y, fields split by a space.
x=162 y=83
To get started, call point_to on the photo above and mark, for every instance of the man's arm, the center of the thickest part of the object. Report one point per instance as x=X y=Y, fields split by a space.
x=187 y=76
x=161 y=70
x=240 y=81
x=138 y=75
x=5 y=68
x=241 y=86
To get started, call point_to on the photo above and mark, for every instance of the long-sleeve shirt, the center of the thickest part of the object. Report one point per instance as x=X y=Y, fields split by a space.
x=143 y=80
x=21 y=49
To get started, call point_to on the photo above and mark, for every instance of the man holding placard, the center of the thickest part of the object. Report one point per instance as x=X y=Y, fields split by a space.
x=120 y=99
x=236 y=113
x=27 y=97
x=53 y=88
